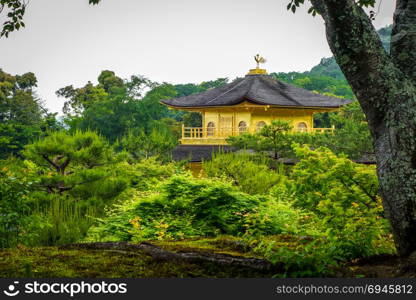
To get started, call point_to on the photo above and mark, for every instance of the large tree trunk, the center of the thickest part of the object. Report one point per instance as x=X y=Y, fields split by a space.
x=396 y=173
x=385 y=87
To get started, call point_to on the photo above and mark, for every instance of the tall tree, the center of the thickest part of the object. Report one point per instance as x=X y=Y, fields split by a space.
x=385 y=86
x=115 y=106
x=22 y=117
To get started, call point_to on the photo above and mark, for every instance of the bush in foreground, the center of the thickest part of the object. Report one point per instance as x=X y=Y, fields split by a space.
x=186 y=207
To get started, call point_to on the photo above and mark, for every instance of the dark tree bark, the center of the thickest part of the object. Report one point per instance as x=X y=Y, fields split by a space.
x=385 y=87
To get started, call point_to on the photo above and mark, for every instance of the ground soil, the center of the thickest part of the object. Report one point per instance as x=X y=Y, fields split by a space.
x=380 y=266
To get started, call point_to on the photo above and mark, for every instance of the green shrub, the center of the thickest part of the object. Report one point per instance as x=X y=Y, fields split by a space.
x=159 y=143
x=81 y=165
x=344 y=195
x=68 y=217
x=251 y=173
x=15 y=215
x=64 y=221
x=346 y=220
x=275 y=216
x=33 y=215
x=311 y=257
x=187 y=207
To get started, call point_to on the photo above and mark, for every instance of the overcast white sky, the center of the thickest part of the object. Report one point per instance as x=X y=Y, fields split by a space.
x=178 y=41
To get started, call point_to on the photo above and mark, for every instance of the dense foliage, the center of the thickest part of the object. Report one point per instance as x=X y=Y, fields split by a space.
x=344 y=195
x=66 y=180
x=107 y=175
x=251 y=173
x=351 y=137
x=22 y=116
x=184 y=207
x=330 y=201
x=14 y=208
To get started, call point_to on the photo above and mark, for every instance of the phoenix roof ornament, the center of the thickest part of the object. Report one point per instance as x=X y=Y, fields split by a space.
x=259 y=60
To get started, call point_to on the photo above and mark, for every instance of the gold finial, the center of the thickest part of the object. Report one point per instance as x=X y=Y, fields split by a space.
x=259 y=60
x=257 y=71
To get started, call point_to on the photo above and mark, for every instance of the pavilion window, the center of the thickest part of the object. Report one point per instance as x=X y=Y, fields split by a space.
x=242 y=127
x=260 y=125
x=302 y=127
x=210 y=129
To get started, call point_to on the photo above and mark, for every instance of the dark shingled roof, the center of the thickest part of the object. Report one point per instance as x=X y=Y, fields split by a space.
x=258 y=89
x=198 y=153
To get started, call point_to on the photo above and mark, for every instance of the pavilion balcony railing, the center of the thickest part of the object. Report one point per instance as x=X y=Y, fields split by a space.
x=223 y=133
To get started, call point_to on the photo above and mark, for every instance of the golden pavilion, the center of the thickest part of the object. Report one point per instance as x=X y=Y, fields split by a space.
x=247 y=104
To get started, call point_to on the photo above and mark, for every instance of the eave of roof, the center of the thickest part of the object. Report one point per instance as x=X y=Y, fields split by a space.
x=257 y=106
x=258 y=89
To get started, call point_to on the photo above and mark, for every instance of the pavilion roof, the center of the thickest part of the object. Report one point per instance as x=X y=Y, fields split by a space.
x=258 y=89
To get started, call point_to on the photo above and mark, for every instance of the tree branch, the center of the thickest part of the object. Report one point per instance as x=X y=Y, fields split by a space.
x=51 y=162
x=64 y=165
x=403 y=41
x=362 y=58
x=320 y=8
